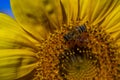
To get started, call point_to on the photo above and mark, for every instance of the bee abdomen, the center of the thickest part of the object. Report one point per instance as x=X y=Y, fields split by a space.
x=73 y=33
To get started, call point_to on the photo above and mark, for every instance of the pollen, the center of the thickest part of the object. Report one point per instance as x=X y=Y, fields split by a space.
x=86 y=55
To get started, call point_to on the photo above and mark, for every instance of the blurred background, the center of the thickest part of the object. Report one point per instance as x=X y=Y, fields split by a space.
x=5 y=7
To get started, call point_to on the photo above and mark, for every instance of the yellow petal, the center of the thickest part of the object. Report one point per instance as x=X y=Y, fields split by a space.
x=112 y=23
x=16 y=63
x=12 y=35
x=67 y=9
x=95 y=11
x=29 y=76
x=74 y=8
x=108 y=8
x=40 y=16
x=52 y=9
x=100 y=9
x=71 y=10
x=84 y=10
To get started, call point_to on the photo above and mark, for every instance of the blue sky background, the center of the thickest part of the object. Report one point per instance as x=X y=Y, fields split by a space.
x=5 y=7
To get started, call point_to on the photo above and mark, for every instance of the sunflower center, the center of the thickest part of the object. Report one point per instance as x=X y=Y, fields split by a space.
x=77 y=63
x=77 y=52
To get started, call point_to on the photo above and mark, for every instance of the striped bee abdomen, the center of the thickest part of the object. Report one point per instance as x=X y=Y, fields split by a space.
x=74 y=33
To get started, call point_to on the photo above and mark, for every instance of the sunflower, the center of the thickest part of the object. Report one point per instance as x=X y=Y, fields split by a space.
x=61 y=40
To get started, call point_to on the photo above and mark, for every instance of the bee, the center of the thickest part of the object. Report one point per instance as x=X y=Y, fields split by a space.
x=74 y=33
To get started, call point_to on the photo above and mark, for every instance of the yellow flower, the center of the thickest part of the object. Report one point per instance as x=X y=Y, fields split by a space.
x=61 y=40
